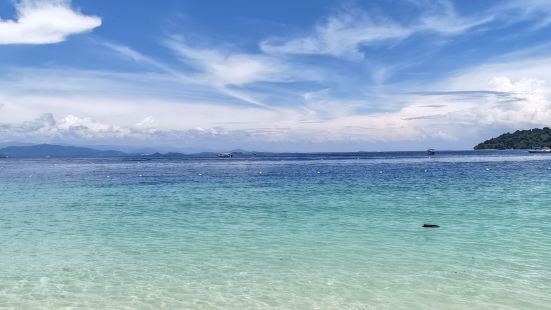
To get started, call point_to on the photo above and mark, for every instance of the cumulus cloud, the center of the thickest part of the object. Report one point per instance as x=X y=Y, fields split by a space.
x=86 y=130
x=510 y=104
x=45 y=22
x=72 y=127
x=531 y=106
x=460 y=116
x=82 y=130
x=46 y=126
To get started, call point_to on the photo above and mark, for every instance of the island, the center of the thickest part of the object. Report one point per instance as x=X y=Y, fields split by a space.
x=520 y=139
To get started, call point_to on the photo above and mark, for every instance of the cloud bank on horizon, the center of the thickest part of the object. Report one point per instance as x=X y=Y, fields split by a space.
x=273 y=76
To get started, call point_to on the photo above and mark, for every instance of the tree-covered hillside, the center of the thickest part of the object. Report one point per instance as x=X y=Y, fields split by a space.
x=520 y=139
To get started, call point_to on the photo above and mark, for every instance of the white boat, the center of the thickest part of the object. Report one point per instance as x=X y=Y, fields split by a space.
x=224 y=155
x=541 y=150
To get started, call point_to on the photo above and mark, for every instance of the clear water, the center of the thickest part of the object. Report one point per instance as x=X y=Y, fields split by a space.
x=272 y=232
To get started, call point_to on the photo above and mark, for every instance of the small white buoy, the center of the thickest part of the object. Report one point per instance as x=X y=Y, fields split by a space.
x=426 y=170
x=140 y=175
x=200 y=174
x=260 y=172
x=380 y=172
x=108 y=176
x=318 y=172
x=487 y=169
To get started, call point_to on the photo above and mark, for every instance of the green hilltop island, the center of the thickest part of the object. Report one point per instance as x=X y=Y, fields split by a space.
x=521 y=139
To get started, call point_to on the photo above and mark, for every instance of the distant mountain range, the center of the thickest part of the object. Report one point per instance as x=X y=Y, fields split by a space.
x=63 y=151
x=55 y=151
x=520 y=139
x=21 y=150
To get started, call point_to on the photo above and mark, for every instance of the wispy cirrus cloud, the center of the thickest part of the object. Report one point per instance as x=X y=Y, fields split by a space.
x=138 y=57
x=224 y=70
x=536 y=11
x=230 y=72
x=221 y=71
x=340 y=35
x=45 y=22
x=346 y=32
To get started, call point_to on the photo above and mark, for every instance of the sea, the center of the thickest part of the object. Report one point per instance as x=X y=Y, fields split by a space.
x=277 y=231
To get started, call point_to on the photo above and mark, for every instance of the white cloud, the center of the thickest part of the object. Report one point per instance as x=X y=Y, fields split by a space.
x=70 y=127
x=346 y=32
x=538 y=11
x=45 y=22
x=444 y=19
x=325 y=121
x=138 y=57
x=473 y=77
x=507 y=101
x=340 y=35
x=487 y=99
x=343 y=34
x=227 y=71
x=459 y=121
x=225 y=68
x=527 y=104
x=509 y=104
x=214 y=69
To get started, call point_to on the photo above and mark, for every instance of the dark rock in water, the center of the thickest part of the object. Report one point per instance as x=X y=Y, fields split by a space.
x=430 y=226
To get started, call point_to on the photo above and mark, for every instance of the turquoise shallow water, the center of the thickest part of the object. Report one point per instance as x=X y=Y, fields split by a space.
x=275 y=233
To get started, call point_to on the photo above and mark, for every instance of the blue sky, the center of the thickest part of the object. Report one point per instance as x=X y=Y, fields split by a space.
x=273 y=75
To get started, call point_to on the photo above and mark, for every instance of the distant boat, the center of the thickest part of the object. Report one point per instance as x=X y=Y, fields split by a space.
x=224 y=155
x=431 y=151
x=540 y=150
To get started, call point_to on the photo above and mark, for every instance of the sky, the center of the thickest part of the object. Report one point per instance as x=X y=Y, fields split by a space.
x=310 y=75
